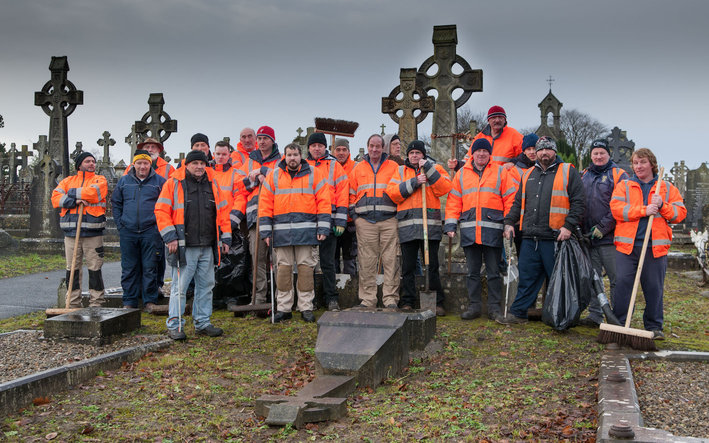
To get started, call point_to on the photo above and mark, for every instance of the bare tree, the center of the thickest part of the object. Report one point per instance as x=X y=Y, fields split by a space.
x=466 y=115
x=2 y=122
x=580 y=130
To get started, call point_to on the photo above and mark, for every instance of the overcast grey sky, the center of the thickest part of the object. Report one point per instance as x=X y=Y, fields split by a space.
x=641 y=65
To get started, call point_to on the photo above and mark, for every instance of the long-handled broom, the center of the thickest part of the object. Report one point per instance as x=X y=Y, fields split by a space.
x=335 y=127
x=625 y=335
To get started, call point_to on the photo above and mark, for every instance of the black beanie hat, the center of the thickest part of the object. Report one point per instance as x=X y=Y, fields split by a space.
x=195 y=155
x=199 y=137
x=481 y=143
x=80 y=159
x=416 y=145
x=600 y=143
x=317 y=137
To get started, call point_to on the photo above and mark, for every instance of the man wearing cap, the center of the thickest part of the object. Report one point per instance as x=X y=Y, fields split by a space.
x=523 y=162
x=548 y=206
x=506 y=142
x=133 y=202
x=480 y=198
x=155 y=149
x=246 y=145
x=406 y=190
x=339 y=187
x=347 y=242
x=260 y=162
x=374 y=214
x=294 y=214
x=193 y=219
x=200 y=142
x=85 y=191
x=599 y=181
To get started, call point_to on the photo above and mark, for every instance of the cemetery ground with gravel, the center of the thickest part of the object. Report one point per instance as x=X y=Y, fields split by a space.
x=488 y=382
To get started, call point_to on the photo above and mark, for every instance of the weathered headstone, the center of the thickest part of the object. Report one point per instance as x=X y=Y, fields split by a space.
x=105 y=167
x=96 y=324
x=445 y=82
x=412 y=99
x=44 y=219
x=58 y=99
x=679 y=177
x=621 y=149
x=696 y=197
x=156 y=123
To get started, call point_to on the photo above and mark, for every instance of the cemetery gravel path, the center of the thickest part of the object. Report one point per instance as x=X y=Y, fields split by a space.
x=36 y=292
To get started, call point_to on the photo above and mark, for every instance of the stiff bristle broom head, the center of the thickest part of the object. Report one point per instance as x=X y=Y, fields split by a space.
x=337 y=127
x=637 y=339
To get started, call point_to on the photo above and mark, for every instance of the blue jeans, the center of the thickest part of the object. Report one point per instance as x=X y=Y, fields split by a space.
x=139 y=262
x=536 y=262
x=200 y=265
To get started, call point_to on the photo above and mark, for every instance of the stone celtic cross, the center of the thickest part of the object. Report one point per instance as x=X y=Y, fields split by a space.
x=58 y=99
x=79 y=148
x=132 y=139
x=445 y=82
x=412 y=99
x=621 y=149
x=156 y=123
x=106 y=142
x=44 y=219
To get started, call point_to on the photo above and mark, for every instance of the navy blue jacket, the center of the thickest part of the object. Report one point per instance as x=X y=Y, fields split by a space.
x=598 y=182
x=134 y=202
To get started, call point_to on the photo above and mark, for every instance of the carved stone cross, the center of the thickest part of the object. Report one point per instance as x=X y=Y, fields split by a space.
x=58 y=99
x=12 y=163
x=383 y=126
x=444 y=81
x=106 y=142
x=79 y=148
x=412 y=99
x=44 y=219
x=621 y=149
x=679 y=172
x=24 y=154
x=156 y=123
x=132 y=139
x=179 y=159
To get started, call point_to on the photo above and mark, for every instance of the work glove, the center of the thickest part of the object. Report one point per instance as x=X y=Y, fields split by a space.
x=338 y=230
x=596 y=233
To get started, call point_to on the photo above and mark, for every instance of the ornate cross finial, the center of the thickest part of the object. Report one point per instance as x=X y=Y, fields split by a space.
x=299 y=131
x=383 y=126
x=179 y=159
x=106 y=142
x=550 y=80
x=156 y=123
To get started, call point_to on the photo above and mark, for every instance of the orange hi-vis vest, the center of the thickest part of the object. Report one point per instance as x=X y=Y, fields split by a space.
x=240 y=155
x=479 y=204
x=87 y=186
x=505 y=148
x=367 y=197
x=170 y=214
x=628 y=207
x=339 y=184
x=246 y=204
x=559 y=207
x=228 y=176
x=405 y=191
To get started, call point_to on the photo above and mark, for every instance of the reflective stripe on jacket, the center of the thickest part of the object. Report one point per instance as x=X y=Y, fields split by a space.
x=479 y=204
x=339 y=185
x=294 y=210
x=247 y=204
x=628 y=207
x=240 y=155
x=559 y=207
x=170 y=215
x=228 y=176
x=505 y=148
x=405 y=190
x=367 y=197
x=87 y=186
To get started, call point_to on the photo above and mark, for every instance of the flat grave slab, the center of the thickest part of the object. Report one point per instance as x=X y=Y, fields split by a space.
x=92 y=323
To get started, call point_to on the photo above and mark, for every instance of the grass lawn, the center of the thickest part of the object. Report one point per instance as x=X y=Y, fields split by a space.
x=488 y=382
x=28 y=263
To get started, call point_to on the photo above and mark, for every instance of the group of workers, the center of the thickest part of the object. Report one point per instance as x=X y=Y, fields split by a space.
x=310 y=207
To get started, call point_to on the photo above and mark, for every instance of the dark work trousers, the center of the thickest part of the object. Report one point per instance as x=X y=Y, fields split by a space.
x=327 y=266
x=602 y=257
x=536 y=263
x=139 y=264
x=474 y=256
x=160 y=253
x=652 y=281
x=409 y=254
x=345 y=246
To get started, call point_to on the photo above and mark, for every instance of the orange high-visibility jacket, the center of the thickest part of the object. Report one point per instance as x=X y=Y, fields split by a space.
x=240 y=155
x=293 y=211
x=559 y=207
x=628 y=207
x=479 y=204
x=87 y=186
x=505 y=148
x=247 y=203
x=405 y=191
x=339 y=185
x=348 y=166
x=170 y=215
x=228 y=176
x=367 y=197
x=162 y=168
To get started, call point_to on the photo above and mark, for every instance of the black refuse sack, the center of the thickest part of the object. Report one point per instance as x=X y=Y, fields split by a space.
x=232 y=279
x=570 y=288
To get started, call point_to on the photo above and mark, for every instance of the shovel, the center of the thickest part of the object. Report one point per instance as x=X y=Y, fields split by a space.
x=427 y=299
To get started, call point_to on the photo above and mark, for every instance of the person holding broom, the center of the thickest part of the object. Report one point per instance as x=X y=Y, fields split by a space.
x=633 y=202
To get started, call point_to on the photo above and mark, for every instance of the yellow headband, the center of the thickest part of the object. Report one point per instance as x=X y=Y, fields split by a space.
x=142 y=157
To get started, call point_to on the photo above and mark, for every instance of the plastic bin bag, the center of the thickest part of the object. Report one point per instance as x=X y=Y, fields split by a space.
x=232 y=280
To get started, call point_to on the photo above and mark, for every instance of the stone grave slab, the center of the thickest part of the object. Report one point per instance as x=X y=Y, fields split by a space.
x=96 y=324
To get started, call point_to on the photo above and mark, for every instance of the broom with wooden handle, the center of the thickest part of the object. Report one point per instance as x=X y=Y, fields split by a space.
x=67 y=300
x=625 y=335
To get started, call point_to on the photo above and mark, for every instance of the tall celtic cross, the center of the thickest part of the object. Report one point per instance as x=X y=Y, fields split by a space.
x=58 y=99
x=412 y=99
x=156 y=123
x=444 y=81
